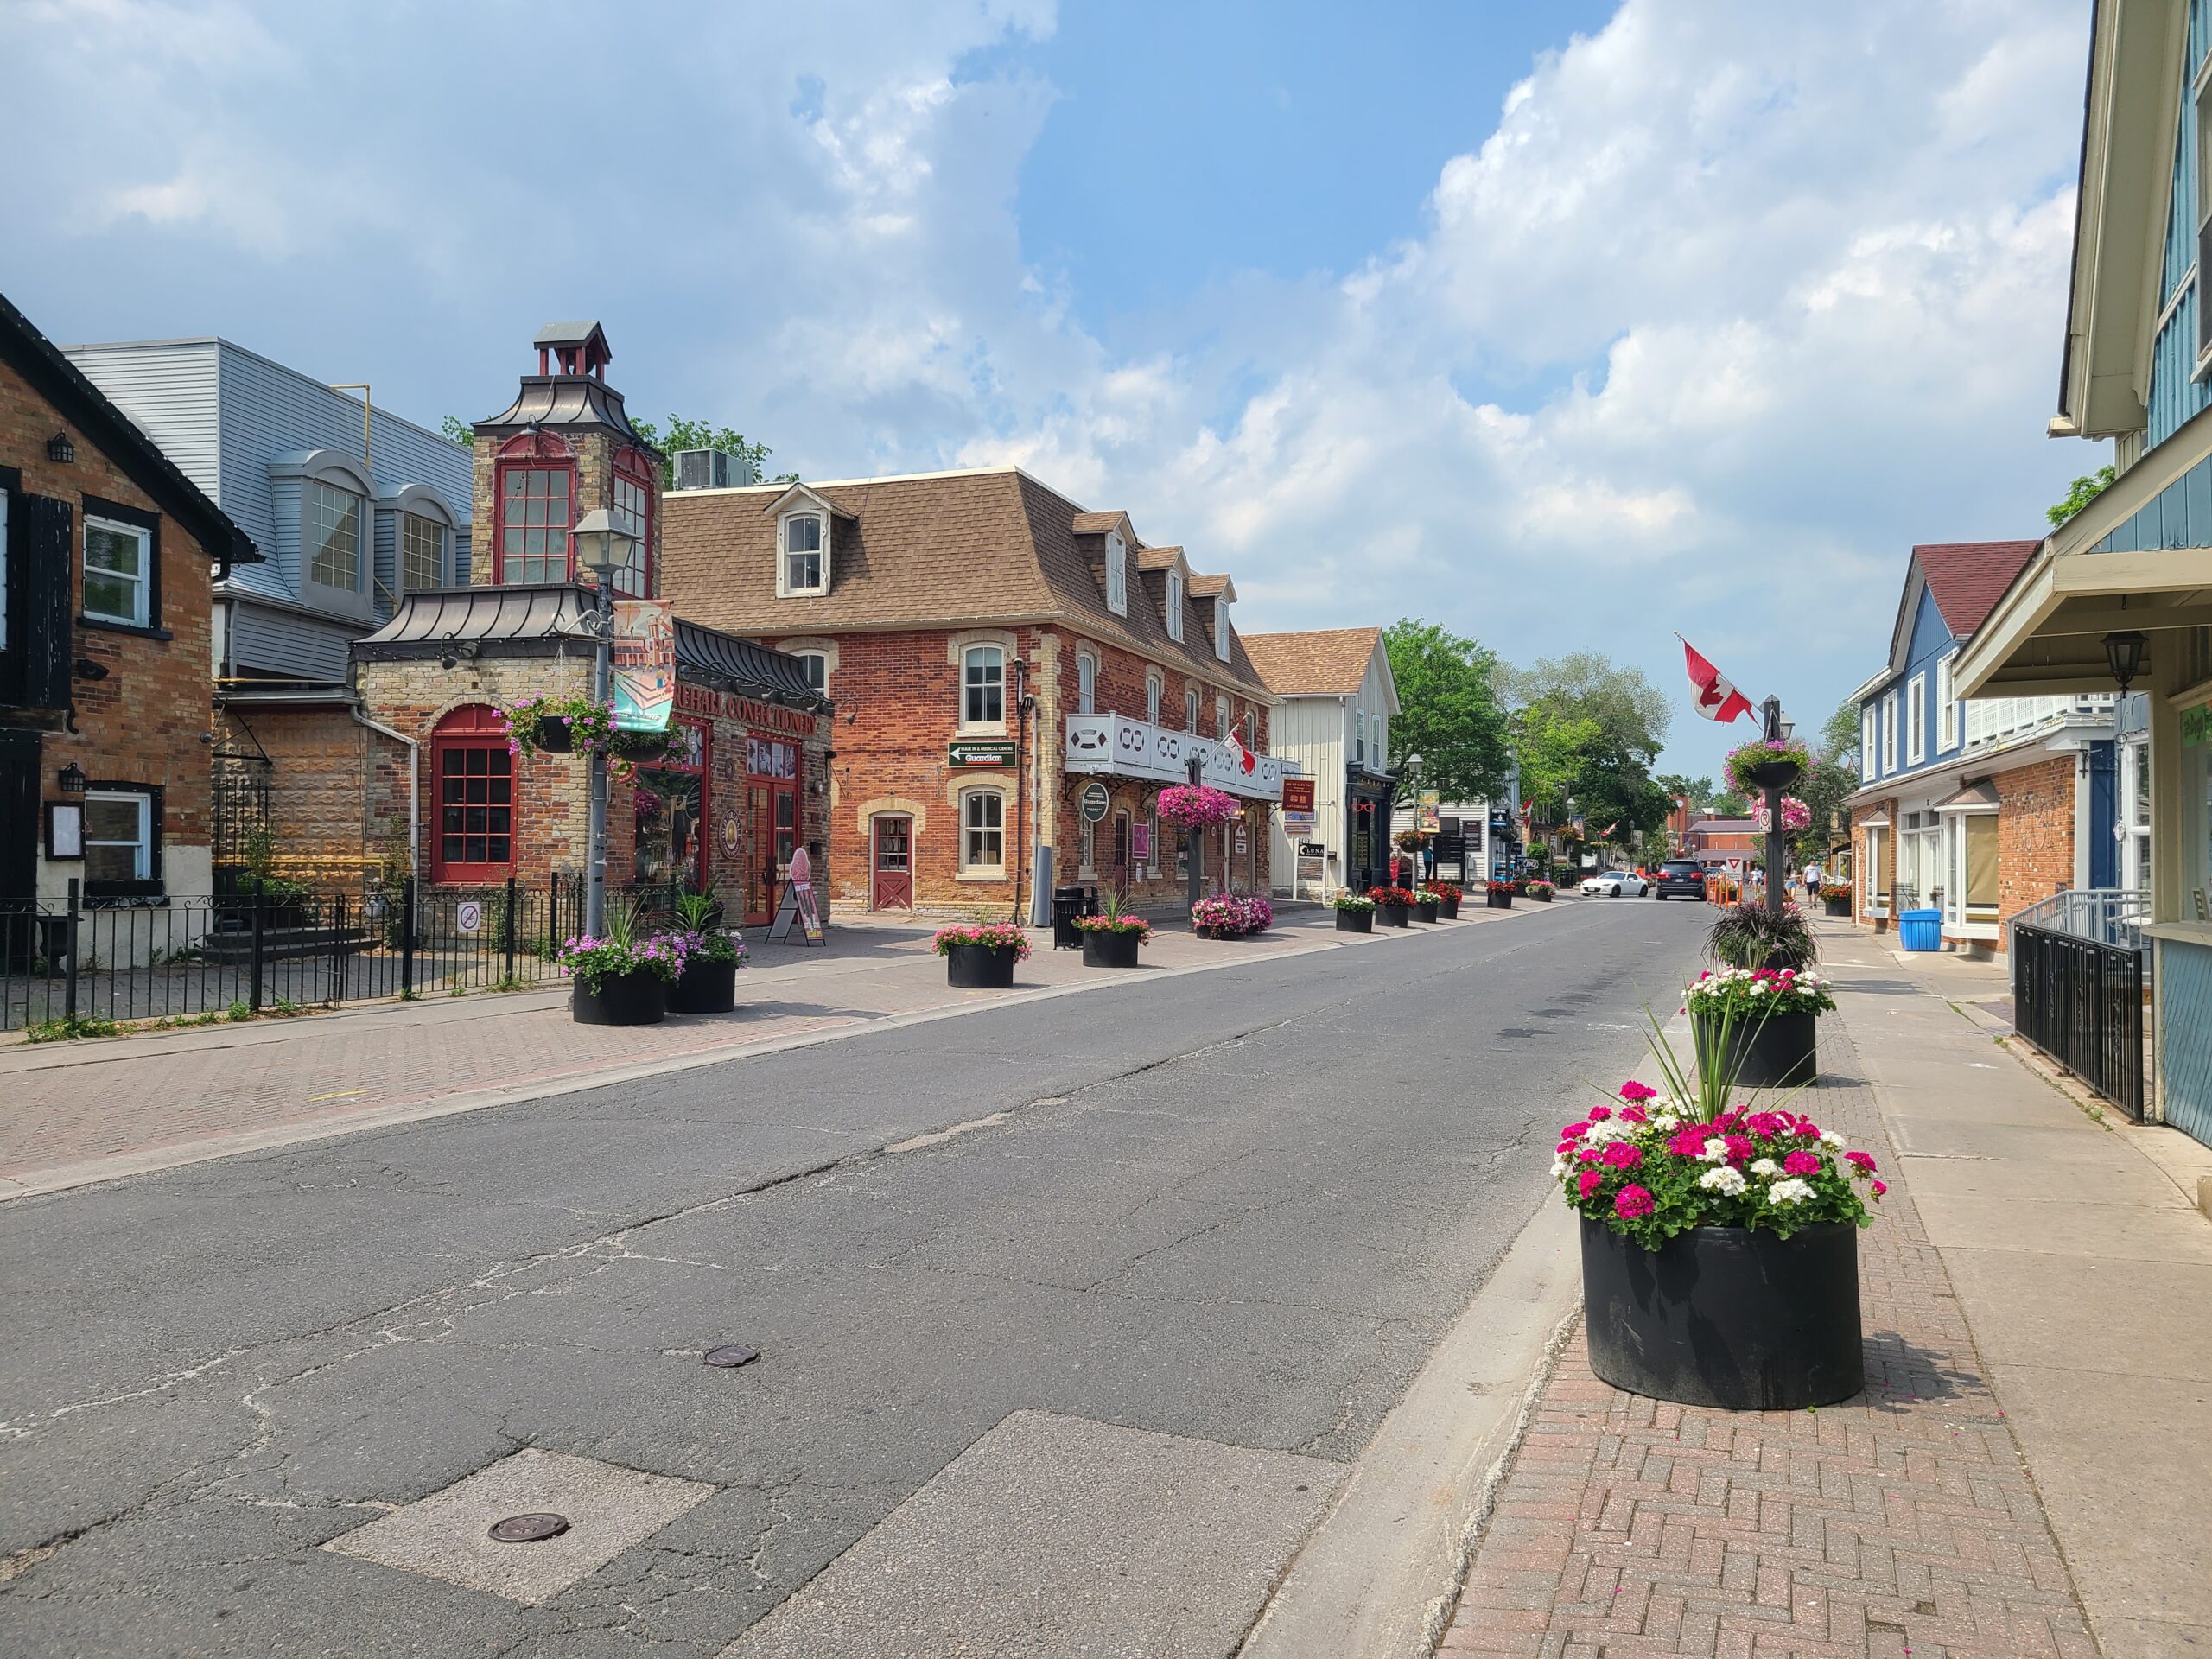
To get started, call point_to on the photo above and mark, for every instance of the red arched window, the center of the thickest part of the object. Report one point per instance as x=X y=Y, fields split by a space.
x=633 y=508
x=473 y=803
x=534 y=486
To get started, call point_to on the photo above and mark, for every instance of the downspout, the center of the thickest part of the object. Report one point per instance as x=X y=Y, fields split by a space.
x=1020 y=777
x=414 y=786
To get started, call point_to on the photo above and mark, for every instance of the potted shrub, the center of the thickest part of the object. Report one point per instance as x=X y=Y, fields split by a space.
x=1355 y=913
x=1112 y=938
x=1835 y=898
x=1499 y=894
x=979 y=955
x=1448 y=896
x=1428 y=903
x=1763 y=1022
x=1540 y=891
x=1230 y=915
x=1719 y=1245
x=1392 y=904
x=708 y=983
x=620 y=979
x=1746 y=937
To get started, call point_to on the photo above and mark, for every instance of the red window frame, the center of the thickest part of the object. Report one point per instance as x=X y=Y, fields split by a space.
x=530 y=451
x=476 y=736
x=631 y=466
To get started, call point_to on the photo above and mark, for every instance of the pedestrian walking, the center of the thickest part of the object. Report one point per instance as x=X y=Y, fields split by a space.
x=1812 y=882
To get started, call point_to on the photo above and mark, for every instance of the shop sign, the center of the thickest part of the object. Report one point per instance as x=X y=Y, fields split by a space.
x=996 y=752
x=727 y=705
x=2196 y=726
x=1297 y=795
x=1298 y=824
x=1430 y=819
x=1244 y=839
x=645 y=664
x=1141 y=842
x=1094 y=800
x=1311 y=849
x=733 y=836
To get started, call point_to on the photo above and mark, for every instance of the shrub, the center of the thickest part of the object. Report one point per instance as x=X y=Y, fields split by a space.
x=1746 y=937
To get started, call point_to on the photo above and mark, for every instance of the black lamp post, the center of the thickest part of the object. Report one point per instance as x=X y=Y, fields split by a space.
x=1194 y=872
x=1776 y=847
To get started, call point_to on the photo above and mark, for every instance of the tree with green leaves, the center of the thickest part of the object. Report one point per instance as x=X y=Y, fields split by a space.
x=1696 y=791
x=681 y=434
x=1588 y=728
x=2079 y=494
x=1834 y=774
x=1448 y=711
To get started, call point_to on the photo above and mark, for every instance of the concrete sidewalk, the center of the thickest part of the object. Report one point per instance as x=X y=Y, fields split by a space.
x=74 y=1113
x=2030 y=1471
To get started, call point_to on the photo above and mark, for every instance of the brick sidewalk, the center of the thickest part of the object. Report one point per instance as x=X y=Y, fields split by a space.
x=88 y=1110
x=1900 y=1523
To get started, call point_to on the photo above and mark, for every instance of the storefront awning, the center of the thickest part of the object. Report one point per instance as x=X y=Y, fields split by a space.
x=1979 y=796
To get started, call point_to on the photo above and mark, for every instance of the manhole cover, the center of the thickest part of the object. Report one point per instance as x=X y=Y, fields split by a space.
x=529 y=1528
x=732 y=1356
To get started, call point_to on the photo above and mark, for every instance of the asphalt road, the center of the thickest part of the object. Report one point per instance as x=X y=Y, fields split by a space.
x=1032 y=1376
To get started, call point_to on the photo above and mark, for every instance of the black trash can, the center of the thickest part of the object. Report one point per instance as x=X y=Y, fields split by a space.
x=1068 y=903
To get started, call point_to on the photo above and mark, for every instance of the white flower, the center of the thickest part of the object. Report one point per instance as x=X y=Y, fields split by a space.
x=1765 y=1168
x=1716 y=1149
x=1726 y=1179
x=1789 y=1192
x=1608 y=1129
x=1666 y=1123
x=1830 y=1138
x=1559 y=1167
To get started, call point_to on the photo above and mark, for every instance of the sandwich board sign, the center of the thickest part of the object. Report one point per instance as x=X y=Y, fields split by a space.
x=798 y=905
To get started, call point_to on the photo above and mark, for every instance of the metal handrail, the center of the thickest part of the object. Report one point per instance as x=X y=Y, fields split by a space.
x=2112 y=916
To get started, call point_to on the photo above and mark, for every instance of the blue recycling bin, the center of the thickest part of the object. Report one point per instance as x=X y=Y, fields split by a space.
x=1921 y=930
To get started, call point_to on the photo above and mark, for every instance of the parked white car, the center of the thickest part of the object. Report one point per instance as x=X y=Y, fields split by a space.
x=1616 y=884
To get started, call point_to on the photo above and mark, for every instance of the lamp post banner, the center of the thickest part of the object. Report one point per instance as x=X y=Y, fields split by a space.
x=645 y=664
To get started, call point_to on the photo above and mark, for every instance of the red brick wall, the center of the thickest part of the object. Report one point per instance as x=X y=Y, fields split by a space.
x=2035 y=833
x=144 y=722
x=1860 y=868
x=337 y=790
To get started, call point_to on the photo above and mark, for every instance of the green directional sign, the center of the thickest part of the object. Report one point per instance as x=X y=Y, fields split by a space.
x=988 y=751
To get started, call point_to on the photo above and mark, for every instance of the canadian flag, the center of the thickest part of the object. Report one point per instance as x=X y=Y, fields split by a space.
x=1247 y=762
x=1716 y=698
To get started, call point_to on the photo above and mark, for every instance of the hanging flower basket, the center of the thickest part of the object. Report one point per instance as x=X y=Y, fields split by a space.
x=1796 y=816
x=1768 y=764
x=579 y=725
x=1198 y=808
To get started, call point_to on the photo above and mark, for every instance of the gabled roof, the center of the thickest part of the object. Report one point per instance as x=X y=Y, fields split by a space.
x=571 y=333
x=1097 y=524
x=58 y=380
x=1159 y=558
x=1330 y=662
x=1968 y=578
x=1212 y=587
x=944 y=549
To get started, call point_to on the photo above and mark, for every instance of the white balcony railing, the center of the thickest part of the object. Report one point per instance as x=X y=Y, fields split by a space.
x=1116 y=746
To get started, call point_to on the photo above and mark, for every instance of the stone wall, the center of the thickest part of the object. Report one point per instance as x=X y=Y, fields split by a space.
x=337 y=791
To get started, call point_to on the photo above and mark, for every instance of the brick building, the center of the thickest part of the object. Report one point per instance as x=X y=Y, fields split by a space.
x=1977 y=809
x=996 y=654
x=107 y=554
x=746 y=786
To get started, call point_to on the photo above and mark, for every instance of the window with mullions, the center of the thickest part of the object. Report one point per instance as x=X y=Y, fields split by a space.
x=119 y=841
x=475 y=797
x=983 y=830
x=535 y=513
x=802 y=553
x=333 y=537
x=422 y=551
x=117 y=566
x=632 y=513
x=983 y=686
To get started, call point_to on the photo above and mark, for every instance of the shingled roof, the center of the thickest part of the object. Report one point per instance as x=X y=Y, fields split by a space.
x=1330 y=662
x=1968 y=578
x=939 y=549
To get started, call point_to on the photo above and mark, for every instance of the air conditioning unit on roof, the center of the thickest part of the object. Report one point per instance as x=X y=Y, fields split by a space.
x=712 y=469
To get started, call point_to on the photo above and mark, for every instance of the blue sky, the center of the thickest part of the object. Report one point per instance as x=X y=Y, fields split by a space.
x=1566 y=325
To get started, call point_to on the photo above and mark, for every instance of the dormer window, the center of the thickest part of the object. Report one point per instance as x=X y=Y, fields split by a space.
x=1117 y=574
x=805 y=565
x=1175 y=606
x=1221 y=628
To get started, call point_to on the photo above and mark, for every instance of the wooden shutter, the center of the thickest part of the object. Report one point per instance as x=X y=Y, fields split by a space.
x=42 y=545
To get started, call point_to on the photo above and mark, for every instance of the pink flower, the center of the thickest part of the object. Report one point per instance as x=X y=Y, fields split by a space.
x=1599 y=1113
x=1632 y=1203
x=1687 y=1142
x=1564 y=1147
x=1634 y=1115
x=1621 y=1155
x=1739 y=1148
x=1589 y=1181
x=1802 y=1163
x=1880 y=1187
x=1574 y=1131
x=1767 y=1123
x=1862 y=1161
x=1634 y=1090
x=1588 y=1154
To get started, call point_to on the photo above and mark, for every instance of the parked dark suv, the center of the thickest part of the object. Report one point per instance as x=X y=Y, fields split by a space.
x=1680 y=878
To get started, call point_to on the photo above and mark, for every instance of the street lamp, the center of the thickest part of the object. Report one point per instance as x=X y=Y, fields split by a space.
x=1413 y=786
x=603 y=547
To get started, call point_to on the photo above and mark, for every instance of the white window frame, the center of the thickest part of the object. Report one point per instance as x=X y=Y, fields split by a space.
x=1221 y=627
x=1916 y=730
x=1889 y=732
x=141 y=582
x=1946 y=705
x=1868 y=727
x=1191 y=710
x=1155 y=688
x=785 y=588
x=1117 y=574
x=311 y=548
x=1220 y=716
x=817 y=672
x=143 y=862
x=1175 y=607
x=1086 y=682
x=969 y=800
x=1359 y=737
x=969 y=665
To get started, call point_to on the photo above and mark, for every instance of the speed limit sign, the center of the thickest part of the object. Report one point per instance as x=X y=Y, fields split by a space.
x=468 y=915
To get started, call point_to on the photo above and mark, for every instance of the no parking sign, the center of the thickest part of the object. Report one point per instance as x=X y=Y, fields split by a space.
x=468 y=915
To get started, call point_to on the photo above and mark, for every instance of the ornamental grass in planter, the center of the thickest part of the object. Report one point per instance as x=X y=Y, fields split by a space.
x=1355 y=913
x=620 y=979
x=708 y=981
x=1719 y=1242
x=1745 y=936
x=1393 y=905
x=979 y=955
x=1113 y=937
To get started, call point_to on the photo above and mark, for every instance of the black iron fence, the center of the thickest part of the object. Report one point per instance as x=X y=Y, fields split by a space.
x=2082 y=1001
x=201 y=960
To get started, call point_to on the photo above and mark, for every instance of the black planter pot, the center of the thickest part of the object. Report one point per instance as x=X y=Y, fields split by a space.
x=1499 y=900
x=1449 y=909
x=1102 y=949
x=554 y=736
x=979 y=967
x=1355 y=921
x=1778 y=1052
x=1391 y=915
x=1424 y=912
x=1732 y=1316
x=1774 y=775
x=634 y=999
x=1836 y=906
x=1542 y=898
x=705 y=987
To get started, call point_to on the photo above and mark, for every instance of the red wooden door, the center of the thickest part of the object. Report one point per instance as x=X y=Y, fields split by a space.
x=761 y=877
x=894 y=870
